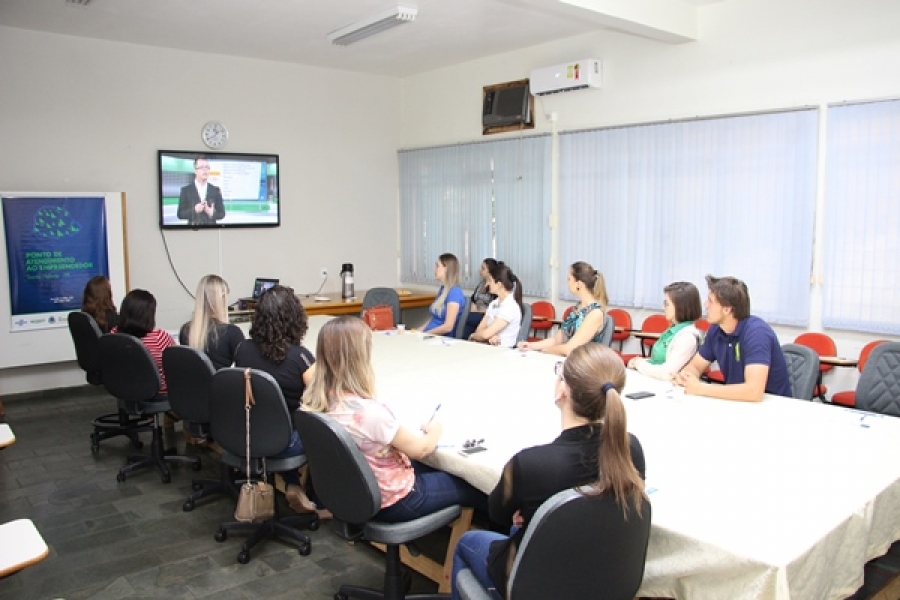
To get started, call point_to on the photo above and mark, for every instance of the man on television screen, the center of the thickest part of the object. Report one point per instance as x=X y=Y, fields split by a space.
x=200 y=202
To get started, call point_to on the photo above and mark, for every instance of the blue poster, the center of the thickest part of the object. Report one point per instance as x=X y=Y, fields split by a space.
x=53 y=247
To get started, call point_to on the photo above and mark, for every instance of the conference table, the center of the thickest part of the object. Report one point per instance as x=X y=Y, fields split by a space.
x=334 y=304
x=778 y=499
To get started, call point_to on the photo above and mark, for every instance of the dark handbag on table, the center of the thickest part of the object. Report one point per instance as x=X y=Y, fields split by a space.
x=379 y=318
x=256 y=502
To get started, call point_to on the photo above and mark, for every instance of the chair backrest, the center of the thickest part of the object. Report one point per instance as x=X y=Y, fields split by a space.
x=878 y=389
x=609 y=328
x=86 y=336
x=621 y=318
x=865 y=352
x=270 y=421
x=526 y=323
x=803 y=369
x=567 y=312
x=581 y=546
x=341 y=476
x=702 y=324
x=544 y=309
x=821 y=343
x=463 y=318
x=189 y=373
x=129 y=372
x=653 y=324
x=383 y=295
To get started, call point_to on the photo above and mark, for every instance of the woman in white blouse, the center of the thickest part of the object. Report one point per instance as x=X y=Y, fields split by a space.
x=503 y=317
x=677 y=344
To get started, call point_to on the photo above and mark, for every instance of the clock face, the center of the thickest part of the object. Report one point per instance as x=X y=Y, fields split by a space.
x=214 y=134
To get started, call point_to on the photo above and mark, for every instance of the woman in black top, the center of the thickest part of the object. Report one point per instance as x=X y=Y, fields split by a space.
x=209 y=330
x=275 y=346
x=594 y=449
x=97 y=302
x=480 y=298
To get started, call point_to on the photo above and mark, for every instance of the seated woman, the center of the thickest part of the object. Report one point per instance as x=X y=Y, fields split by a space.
x=448 y=306
x=594 y=448
x=677 y=345
x=343 y=386
x=585 y=323
x=500 y=324
x=97 y=301
x=137 y=317
x=480 y=299
x=209 y=330
x=275 y=346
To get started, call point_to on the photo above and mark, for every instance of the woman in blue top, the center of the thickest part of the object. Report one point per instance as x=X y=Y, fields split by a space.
x=585 y=324
x=447 y=308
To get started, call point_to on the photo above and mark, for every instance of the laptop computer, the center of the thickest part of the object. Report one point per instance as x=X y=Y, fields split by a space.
x=259 y=286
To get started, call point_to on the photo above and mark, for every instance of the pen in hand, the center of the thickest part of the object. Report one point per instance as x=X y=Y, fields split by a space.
x=433 y=415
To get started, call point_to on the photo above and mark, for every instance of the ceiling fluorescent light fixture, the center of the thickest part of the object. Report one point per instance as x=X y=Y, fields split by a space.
x=396 y=15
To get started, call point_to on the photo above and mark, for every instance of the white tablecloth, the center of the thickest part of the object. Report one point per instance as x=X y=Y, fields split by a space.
x=778 y=499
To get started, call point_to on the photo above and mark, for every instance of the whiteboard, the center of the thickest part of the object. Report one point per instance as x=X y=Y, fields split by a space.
x=44 y=346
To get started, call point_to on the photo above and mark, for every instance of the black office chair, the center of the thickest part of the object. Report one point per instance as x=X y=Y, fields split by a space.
x=346 y=485
x=189 y=374
x=459 y=333
x=803 y=370
x=270 y=434
x=878 y=389
x=382 y=295
x=576 y=546
x=131 y=376
x=525 y=327
x=86 y=337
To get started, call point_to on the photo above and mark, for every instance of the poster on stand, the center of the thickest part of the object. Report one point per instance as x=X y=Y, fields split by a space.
x=54 y=245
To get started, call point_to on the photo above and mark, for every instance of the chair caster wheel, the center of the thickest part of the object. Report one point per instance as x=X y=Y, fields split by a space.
x=196 y=466
x=95 y=445
x=196 y=486
x=120 y=477
x=166 y=478
x=221 y=535
x=188 y=506
x=340 y=596
x=243 y=557
x=304 y=549
x=314 y=526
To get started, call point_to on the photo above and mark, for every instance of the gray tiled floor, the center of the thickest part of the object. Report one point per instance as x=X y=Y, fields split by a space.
x=132 y=539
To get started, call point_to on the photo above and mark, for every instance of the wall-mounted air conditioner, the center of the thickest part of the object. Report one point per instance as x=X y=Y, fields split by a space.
x=568 y=77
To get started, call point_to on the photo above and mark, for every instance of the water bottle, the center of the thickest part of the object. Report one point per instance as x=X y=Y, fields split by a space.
x=347 y=281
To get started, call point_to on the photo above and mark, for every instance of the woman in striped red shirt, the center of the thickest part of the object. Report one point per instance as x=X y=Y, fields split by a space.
x=137 y=317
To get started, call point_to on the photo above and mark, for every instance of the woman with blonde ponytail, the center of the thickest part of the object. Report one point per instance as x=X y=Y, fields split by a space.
x=594 y=449
x=585 y=323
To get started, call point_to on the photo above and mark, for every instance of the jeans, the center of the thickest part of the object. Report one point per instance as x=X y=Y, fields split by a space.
x=295 y=448
x=472 y=553
x=432 y=491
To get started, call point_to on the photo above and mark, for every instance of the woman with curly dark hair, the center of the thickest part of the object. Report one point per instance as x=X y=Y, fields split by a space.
x=98 y=302
x=275 y=346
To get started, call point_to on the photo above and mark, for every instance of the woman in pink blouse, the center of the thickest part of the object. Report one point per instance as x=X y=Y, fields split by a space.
x=343 y=386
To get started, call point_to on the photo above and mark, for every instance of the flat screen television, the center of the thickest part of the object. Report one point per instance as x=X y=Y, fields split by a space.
x=202 y=190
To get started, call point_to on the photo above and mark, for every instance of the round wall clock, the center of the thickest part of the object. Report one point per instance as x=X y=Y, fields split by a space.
x=214 y=135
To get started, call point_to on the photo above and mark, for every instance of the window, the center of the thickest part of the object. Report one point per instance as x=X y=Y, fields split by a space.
x=862 y=220
x=652 y=204
x=479 y=200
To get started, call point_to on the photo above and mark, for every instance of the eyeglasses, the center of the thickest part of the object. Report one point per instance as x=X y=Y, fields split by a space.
x=558 y=369
x=666 y=303
x=201 y=168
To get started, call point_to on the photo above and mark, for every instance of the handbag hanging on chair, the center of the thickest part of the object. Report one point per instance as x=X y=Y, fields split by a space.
x=256 y=501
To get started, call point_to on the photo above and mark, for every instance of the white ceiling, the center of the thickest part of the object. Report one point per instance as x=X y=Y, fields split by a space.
x=445 y=32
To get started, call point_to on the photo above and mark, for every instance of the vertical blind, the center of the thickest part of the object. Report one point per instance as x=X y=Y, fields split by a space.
x=862 y=220
x=478 y=200
x=652 y=204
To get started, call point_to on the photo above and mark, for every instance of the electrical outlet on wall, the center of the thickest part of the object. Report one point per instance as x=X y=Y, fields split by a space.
x=324 y=271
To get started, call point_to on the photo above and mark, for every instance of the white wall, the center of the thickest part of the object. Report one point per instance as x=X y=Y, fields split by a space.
x=79 y=114
x=752 y=55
